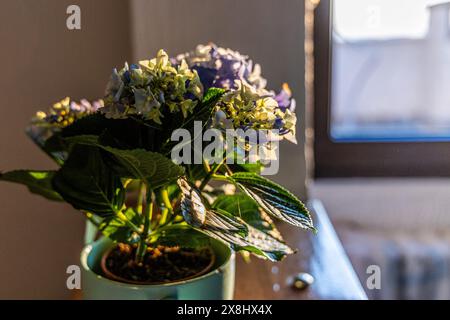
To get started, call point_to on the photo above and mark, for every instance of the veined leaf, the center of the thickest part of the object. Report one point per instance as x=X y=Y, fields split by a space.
x=192 y=207
x=38 y=182
x=88 y=184
x=246 y=208
x=196 y=214
x=213 y=95
x=153 y=167
x=141 y=164
x=274 y=199
x=264 y=245
x=219 y=220
x=256 y=242
x=181 y=235
x=228 y=228
x=263 y=238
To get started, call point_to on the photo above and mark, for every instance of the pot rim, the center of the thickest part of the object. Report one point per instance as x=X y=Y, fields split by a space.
x=117 y=278
x=88 y=248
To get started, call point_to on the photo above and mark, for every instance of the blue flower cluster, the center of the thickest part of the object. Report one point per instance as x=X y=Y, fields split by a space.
x=248 y=104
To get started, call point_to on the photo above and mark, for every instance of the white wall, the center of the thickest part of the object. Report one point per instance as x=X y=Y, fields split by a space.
x=41 y=62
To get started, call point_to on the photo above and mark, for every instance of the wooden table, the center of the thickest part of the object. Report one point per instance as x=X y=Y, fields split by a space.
x=320 y=255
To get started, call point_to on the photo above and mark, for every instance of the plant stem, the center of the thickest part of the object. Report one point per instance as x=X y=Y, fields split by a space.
x=142 y=247
x=206 y=166
x=230 y=172
x=211 y=173
x=140 y=199
x=124 y=218
x=126 y=183
x=91 y=218
x=220 y=177
x=164 y=216
x=167 y=206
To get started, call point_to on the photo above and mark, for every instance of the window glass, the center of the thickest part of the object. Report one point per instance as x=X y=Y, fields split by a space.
x=390 y=70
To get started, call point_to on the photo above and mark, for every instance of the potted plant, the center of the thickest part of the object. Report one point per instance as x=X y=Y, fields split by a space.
x=171 y=216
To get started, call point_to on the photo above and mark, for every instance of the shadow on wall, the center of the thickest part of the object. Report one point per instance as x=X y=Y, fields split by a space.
x=42 y=61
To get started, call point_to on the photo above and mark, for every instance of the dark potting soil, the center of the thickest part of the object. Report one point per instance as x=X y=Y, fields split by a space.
x=160 y=265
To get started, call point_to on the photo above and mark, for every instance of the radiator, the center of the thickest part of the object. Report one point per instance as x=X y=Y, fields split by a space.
x=413 y=265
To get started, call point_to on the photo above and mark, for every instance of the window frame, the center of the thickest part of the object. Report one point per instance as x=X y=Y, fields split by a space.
x=361 y=159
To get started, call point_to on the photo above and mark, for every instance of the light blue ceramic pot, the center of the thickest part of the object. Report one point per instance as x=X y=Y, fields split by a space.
x=218 y=284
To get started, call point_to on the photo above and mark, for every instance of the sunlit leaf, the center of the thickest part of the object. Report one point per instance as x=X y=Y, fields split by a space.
x=246 y=208
x=153 y=167
x=38 y=182
x=274 y=199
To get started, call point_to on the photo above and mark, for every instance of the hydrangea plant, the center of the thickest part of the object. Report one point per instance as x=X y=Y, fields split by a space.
x=114 y=165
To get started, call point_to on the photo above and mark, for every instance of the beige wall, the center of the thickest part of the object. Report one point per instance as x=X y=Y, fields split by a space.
x=42 y=61
x=270 y=31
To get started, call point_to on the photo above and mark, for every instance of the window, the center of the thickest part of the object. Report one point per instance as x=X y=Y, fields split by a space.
x=382 y=88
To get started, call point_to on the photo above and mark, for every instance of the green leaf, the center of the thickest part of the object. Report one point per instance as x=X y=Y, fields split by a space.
x=274 y=199
x=153 y=167
x=117 y=229
x=238 y=165
x=202 y=112
x=263 y=239
x=256 y=242
x=140 y=164
x=240 y=205
x=213 y=95
x=246 y=208
x=38 y=182
x=210 y=100
x=181 y=235
x=87 y=139
x=130 y=133
x=263 y=245
x=246 y=167
x=88 y=183
x=228 y=228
